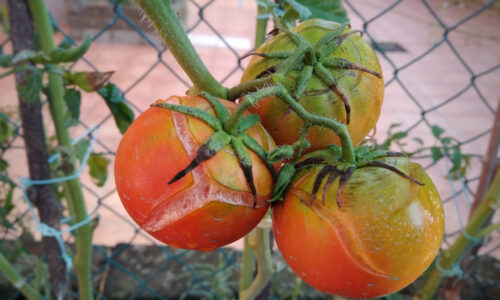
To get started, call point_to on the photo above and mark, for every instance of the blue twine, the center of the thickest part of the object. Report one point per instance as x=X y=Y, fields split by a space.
x=43 y=228
x=455 y=270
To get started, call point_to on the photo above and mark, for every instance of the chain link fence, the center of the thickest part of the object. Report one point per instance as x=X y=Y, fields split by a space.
x=441 y=63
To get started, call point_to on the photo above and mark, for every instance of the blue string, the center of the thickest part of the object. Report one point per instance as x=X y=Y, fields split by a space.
x=454 y=270
x=45 y=229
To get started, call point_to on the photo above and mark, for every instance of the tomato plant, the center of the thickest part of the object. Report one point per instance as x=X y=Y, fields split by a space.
x=210 y=206
x=363 y=232
x=346 y=83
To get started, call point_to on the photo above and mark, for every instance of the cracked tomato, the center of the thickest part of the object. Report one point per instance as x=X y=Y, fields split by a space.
x=210 y=206
x=358 y=84
x=374 y=237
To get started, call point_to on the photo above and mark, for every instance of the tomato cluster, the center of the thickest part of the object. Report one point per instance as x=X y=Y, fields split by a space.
x=197 y=173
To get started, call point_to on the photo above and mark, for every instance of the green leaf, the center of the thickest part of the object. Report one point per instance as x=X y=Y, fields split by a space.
x=30 y=89
x=3 y=164
x=6 y=130
x=436 y=153
x=419 y=141
x=81 y=148
x=36 y=57
x=303 y=12
x=247 y=122
x=399 y=135
x=331 y=10
x=72 y=98
x=5 y=60
x=123 y=115
x=98 y=165
x=66 y=43
x=280 y=153
x=284 y=177
x=62 y=55
x=436 y=130
x=456 y=159
x=88 y=81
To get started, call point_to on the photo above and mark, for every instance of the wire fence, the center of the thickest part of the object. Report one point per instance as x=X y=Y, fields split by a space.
x=441 y=61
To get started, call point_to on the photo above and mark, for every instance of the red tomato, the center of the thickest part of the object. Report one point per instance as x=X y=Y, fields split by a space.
x=385 y=233
x=212 y=205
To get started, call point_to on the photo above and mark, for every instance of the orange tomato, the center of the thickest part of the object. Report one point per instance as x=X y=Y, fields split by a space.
x=385 y=233
x=209 y=207
x=363 y=90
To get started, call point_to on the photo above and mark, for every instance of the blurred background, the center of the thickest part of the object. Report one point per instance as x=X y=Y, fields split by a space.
x=441 y=66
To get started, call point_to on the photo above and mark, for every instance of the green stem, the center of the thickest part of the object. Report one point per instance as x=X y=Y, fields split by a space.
x=247 y=265
x=83 y=237
x=462 y=243
x=261 y=27
x=165 y=21
x=231 y=126
x=249 y=87
x=259 y=241
x=17 y=280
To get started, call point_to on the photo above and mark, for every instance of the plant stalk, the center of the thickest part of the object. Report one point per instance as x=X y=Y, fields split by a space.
x=231 y=126
x=83 y=239
x=165 y=21
x=259 y=241
x=247 y=264
x=43 y=197
x=261 y=27
x=457 y=249
x=18 y=281
x=249 y=87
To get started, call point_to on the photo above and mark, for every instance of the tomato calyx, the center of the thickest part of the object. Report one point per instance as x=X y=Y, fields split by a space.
x=238 y=140
x=313 y=61
x=332 y=167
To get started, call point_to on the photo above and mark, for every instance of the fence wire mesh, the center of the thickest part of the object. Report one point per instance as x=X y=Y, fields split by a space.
x=441 y=63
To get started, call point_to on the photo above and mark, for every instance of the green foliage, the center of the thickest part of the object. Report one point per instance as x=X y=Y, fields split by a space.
x=5 y=60
x=88 y=81
x=80 y=149
x=289 y=11
x=445 y=146
x=122 y=114
x=72 y=98
x=248 y=121
x=6 y=193
x=30 y=89
x=302 y=10
x=6 y=131
x=61 y=54
x=98 y=165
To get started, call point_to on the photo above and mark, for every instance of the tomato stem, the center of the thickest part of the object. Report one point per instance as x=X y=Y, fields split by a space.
x=18 y=280
x=260 y=29
x=473 y=229
x=231 y=126
x=258 y=239
x=165 y=21
x=249 y=87
x=83 y=237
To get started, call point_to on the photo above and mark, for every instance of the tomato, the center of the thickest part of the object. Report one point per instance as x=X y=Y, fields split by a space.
x=363 y=90
x=378 y=236
x=210 y=206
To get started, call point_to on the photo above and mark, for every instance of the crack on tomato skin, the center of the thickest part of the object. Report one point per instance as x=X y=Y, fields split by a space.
x=204 y=189
x=337 y=223
x=204 y=153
